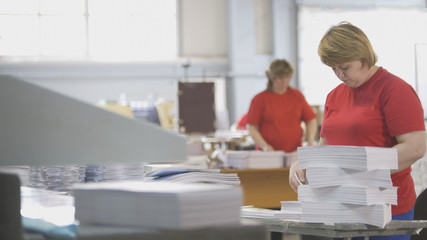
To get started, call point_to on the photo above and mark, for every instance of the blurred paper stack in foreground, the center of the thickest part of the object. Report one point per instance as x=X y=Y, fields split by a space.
x=345 y=184
x=162 y=205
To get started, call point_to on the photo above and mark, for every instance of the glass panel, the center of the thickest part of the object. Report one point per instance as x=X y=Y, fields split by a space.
x=148 y=33
x=128 y=29
x=132 y=37
x=131 y=7
x=19 y=35
x=393 y=39
x=150 y=7
x=105 y=36
x=19 y=6
x=108 y=7
x=63 y=36
x=64 y=7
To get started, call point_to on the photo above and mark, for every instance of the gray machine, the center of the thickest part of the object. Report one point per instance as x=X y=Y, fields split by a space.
x=40 y=127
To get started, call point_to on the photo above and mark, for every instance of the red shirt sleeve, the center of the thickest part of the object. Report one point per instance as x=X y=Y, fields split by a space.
x=242 y=122
x=402 y=110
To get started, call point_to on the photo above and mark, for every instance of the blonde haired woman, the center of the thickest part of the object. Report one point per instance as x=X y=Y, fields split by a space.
x=275 y=115
x=372 y=107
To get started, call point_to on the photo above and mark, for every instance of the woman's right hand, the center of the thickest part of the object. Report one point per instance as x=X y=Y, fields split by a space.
x=294 y=170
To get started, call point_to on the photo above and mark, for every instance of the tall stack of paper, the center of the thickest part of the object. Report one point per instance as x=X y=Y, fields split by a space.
x=345 y=184
x=157 y=204
x=255 y=159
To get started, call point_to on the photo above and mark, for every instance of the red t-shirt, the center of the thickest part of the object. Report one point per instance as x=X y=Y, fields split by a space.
x=241 y=123
x=279 y=116
x=372 y=115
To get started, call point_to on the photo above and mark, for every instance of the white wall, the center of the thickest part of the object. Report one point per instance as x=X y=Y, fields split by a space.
x=263 y=27
x=203 y=28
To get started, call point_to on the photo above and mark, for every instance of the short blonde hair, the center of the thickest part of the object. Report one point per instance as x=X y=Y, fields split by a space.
x=345 y=43
x=278 y=68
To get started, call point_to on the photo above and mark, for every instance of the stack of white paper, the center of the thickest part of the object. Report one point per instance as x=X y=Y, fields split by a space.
x=54 y=207
x=193 y=176
x=260 y=213
x=345 y=184
x=378 y=214
x=334 y=176
x=352 y=157
x=157 y=204
x=291 y=211
x=204 y=177
x=255 y=159
x=360 y=195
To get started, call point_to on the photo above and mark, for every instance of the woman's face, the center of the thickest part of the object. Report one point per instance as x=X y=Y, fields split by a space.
x=280 y=84
x=353 y=74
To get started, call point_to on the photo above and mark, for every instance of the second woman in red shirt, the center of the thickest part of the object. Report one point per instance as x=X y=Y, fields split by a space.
x=275 y=115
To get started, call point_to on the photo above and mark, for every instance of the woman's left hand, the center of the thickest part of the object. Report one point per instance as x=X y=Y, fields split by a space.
x=295 y=172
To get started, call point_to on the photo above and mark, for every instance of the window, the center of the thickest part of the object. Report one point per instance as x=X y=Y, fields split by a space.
x=393 y=32
x=98 y=29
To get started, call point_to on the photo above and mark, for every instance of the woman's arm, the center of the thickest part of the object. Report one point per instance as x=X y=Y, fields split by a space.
x=311 y=126
x=410 y=147
x=257 y=137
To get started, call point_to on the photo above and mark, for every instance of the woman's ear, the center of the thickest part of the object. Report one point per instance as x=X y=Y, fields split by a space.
x=364 y=63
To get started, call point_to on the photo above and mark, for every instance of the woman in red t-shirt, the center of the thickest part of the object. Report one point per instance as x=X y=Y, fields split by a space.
x=275 y=115
x=372 y=107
